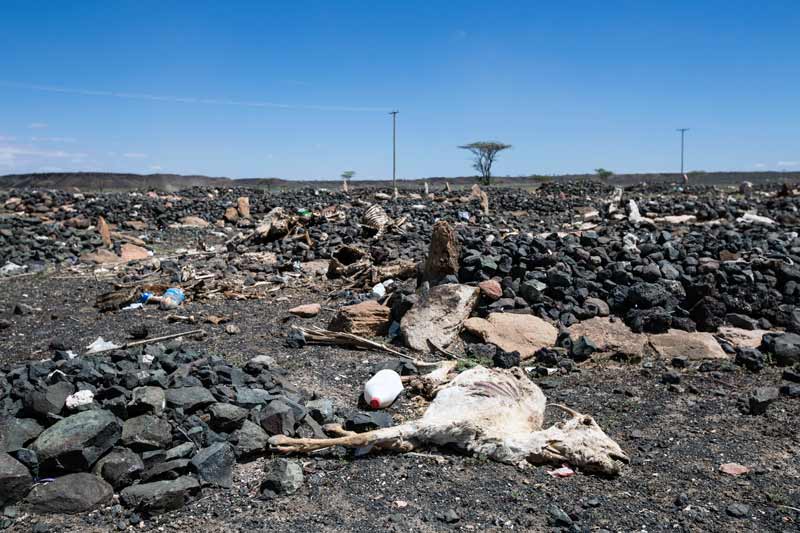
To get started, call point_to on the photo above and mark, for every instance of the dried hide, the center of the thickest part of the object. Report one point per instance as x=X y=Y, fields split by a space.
x=490 y=412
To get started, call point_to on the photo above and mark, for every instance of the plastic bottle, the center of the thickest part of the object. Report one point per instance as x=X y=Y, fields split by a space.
x=383 y=388
x=172 y=298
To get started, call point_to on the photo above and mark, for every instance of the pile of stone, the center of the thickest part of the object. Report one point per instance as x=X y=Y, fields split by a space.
x=155 y=424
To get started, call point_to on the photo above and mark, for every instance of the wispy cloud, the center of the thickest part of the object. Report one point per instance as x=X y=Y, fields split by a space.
x=37 y=125
x=155 y=167
x=189 y=99
x=760 y=165
x=788 y=163
x=134 y=155
x=53 y=139
x=11 y=155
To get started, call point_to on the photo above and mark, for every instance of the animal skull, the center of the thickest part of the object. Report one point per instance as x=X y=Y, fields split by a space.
x=490 y=412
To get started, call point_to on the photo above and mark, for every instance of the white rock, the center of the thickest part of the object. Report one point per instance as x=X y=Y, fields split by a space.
x=80 y=398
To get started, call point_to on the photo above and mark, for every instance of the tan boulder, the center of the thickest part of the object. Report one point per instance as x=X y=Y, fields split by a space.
x=306 y=310
x=741 y=338
x=611 y=337
x=101 y=256
x=243 y=206
x=367 y=318
x=104 y=231
x=131 y=252
x=194 y=222
x=317 y=267
x=231 y=215
x=443 y=254
x=696 y=345
x=438 y=316
x=513 y=332
x=136 y=225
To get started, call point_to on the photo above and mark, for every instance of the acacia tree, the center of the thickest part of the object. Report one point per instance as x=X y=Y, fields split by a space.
x=603 y=174
x=347 y=175
x=484 y=153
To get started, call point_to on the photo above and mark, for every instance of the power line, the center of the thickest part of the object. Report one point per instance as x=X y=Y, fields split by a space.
x=394 y=148
x=683 y=131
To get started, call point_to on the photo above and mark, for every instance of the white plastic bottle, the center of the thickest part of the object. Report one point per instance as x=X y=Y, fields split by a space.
x=383 y=388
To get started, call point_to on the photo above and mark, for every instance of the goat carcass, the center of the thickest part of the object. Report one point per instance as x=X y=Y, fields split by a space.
x=488 y=412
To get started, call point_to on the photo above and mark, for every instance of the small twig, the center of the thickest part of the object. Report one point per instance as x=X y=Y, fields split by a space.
x=439 y=349
x=162 y=338
x=323 y=336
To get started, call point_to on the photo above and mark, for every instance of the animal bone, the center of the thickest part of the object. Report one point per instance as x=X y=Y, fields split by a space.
x=489 y=412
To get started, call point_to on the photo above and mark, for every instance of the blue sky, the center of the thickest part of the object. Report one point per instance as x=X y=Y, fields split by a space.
x=301 y=90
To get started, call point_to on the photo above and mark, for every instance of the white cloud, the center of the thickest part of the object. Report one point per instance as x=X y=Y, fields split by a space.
x=134 y=155
x=37 y=125
x=788 y=163
x=155 y=167
x=760 y=165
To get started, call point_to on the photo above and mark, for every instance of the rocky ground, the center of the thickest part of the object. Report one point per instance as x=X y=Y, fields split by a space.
x=560 y=256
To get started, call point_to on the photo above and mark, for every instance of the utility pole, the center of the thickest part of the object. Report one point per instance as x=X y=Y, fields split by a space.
x=394 y=149
x=683 y=131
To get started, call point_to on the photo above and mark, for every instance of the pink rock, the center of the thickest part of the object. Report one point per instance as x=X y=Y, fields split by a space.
x=306 y=311
x=131 y=252
x=491 y=289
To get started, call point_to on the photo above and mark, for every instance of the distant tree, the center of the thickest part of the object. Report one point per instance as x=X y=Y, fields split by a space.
x=603 y=174
x=347 y=175
x=484 y=154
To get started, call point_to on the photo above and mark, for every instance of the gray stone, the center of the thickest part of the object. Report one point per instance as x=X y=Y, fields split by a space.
x=227 y=417
x=180 y=451
x=15 y=433
x=283 y=477
x=48 y=401
x=73 y=493
x=189 y=398
x=760 y=399
x=249 y=398
x=78 y=441
x=361 y=422
x=320 y=410
x=599 y=307
x=214 y=464
x=146 y=432
x=277 y=418
x=438 y=316
x=167 y=470
x=15 y=480
x=147 y=400
x=121 y=467
x=160 y=496
x=250 y=439
x=259 y=363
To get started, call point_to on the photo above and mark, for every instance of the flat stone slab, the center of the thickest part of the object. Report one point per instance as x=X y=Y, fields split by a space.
x=610 y=337
x=741 y=338
x=438 y=316
x=513 y=332
x=695 y=345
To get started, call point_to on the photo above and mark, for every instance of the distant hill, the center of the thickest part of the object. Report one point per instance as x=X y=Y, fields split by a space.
x=107 y=181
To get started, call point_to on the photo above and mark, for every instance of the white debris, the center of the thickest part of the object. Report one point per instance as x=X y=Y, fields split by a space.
x=677 y=219
x=137 y=305
x=633 y=212
x=147 y=359
x=10 y=268
x=100 y=345
x=379 y=291
x=752 y=218
x=80 y=398
x=629 y=242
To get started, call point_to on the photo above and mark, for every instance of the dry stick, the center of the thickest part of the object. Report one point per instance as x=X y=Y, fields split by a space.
x=154 y=339
x=324 y=336
x=439 y=349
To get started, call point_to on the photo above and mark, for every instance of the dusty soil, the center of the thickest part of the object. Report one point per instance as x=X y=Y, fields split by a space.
x=677 y=438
